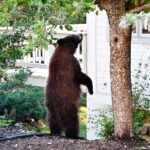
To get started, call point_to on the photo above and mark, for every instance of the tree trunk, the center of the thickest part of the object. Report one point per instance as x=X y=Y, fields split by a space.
x=120 y=62
x=121 y=80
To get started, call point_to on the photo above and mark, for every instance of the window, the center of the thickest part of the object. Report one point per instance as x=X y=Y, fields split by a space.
x=141 y=30
x=145 y=27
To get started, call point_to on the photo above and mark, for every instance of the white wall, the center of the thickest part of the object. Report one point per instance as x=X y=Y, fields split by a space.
x=98 y=67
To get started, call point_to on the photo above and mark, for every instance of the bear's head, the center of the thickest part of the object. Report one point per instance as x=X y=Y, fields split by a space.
x=70 y=41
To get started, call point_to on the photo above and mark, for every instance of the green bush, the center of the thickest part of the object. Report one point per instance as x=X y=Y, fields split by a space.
x=5 y=122
x=141 y=102
x=19 y=101
x=11 y=48
x=139 y=118
x=140 y=91
x=107 y=126
x=83 y=100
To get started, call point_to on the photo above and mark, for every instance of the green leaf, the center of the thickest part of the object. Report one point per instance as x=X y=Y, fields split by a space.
x=61 y=27
x=69 y=27
x=44 y=1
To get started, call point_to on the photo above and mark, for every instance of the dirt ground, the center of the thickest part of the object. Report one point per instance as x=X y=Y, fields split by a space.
x=55 y=143
x=59 y=143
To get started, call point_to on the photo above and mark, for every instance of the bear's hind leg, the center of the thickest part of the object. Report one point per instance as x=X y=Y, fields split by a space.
x=72 y=124
x=55 y=123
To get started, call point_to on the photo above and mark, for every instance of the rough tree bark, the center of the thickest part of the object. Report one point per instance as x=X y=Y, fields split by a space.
x=120 y=45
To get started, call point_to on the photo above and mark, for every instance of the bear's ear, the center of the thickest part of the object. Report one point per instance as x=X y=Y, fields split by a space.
x=60 y=41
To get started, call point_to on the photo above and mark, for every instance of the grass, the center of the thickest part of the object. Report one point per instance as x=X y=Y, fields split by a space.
x=5 y=122
x=83 y=121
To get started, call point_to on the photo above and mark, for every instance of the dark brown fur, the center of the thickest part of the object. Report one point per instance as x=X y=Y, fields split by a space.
x=63 y=89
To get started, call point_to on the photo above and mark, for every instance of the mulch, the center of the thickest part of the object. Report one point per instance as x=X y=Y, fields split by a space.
x=59 y=143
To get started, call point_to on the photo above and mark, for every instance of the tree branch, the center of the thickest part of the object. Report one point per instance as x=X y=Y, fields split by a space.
x=140 y=8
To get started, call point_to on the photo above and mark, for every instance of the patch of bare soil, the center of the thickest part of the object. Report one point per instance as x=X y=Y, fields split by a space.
x=58 y=143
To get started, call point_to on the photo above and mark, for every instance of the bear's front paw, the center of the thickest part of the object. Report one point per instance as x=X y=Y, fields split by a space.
x=91 y=91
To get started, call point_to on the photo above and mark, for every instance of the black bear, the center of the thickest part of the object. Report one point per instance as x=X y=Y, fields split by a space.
x=63 y=88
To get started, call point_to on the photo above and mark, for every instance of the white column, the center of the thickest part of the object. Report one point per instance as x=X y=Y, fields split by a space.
x=98 y=68
x=91 y=66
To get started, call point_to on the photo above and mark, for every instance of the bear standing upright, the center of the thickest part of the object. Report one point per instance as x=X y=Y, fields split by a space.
x=63 y=88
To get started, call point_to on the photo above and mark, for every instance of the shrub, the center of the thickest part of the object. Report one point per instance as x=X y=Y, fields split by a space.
x=141 y=103
x=140 y=90
x=11 y=48
x=107 y=125
x=19 y=101
x=5 y=122
x=83 y=100
x=139 y=118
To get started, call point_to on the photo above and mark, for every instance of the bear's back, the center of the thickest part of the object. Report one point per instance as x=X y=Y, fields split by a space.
x=62 y=70
x=62 y=65
x=61 y=80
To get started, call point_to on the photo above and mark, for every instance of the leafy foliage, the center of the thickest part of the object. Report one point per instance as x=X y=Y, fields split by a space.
x=141 y=102
x=19 y=12
x=83 y=121
x=130 y=19
x=33 y=23
x=141 y=87
x=139 y=118
x=40 y=17
x=19 y=101
x=83 y=101
x=107 y=125
x=5 y=122
x=11 y=48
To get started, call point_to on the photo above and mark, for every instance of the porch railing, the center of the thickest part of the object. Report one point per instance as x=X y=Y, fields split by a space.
x=39 y=58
